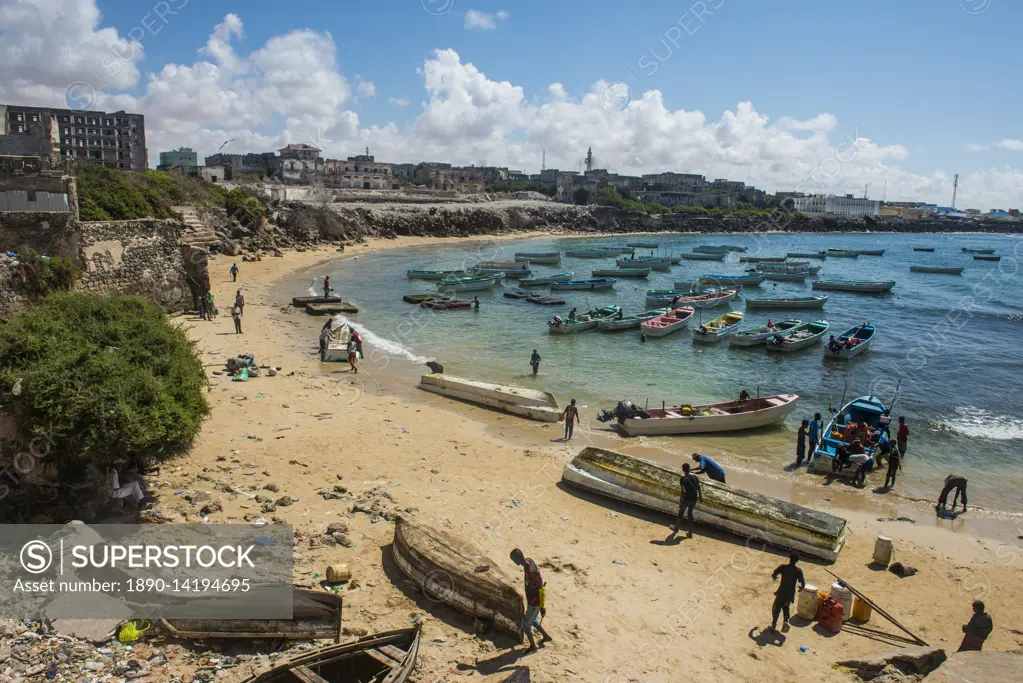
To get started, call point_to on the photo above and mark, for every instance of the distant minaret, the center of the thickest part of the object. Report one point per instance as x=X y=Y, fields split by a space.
x=367 y=150
x=955 y=188
x=589 y=159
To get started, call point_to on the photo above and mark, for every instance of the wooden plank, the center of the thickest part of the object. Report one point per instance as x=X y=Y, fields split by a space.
x=395 y=653
x=307 y=675
x=379 y=656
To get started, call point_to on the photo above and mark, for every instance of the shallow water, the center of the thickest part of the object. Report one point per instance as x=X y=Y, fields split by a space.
x=951 y=344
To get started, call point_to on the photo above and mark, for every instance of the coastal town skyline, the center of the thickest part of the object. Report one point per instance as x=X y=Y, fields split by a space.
x=452 y=89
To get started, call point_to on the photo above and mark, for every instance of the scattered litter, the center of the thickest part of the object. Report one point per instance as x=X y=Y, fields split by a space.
x=564 y=519
x=618 y=562
x=802 y=648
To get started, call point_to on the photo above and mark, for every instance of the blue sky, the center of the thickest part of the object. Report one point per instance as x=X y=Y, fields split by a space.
x=923 y=73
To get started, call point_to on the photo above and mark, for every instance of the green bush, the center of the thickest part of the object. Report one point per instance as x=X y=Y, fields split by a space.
x=143 y=399
x=244 y=206
x=46 y=275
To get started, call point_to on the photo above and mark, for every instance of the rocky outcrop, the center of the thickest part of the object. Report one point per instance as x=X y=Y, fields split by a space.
x=974 y=667
x=896 y=664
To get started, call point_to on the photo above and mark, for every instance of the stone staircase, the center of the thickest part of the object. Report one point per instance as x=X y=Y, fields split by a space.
x=196 y=232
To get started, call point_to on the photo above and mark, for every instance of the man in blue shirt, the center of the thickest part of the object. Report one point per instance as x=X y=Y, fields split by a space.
x=814 y=433
x=707 y=466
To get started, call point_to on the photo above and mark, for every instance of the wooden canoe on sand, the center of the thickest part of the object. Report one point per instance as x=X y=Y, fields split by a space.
x=755 y=516
x=454 y=571
x=380 y=658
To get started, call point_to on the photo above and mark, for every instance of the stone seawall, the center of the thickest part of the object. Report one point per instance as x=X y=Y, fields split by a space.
x=49 y=233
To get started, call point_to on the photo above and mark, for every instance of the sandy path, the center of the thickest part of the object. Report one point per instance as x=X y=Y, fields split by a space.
x=622 y=605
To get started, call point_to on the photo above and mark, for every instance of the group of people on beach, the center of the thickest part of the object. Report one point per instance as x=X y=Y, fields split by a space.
x=857 y=438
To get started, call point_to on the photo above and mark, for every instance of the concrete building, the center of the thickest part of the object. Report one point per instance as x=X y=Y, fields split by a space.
x=403 y=173
x=237 y=165
x=466 y=180
x=839 y=206
x=183 y=156
x=32 y=177
x=361 y=172
x=213 y=174
x=301 y=164
x=549 y=175
x=116 y=140
x=682 y=182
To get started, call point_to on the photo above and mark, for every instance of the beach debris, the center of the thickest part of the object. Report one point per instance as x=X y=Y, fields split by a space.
x=273 y=488
x=211 y=507
x=285 y=501
x=902 y=570
x=618 y=562
x=296 y=462
x=338 y=573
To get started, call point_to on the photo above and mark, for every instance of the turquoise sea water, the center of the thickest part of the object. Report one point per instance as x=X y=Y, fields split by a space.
x=953 y=344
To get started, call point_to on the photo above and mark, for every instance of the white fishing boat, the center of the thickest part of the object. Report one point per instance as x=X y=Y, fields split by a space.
x=628 y=322
x=545 y=280
x=873 y=412
x=718 y=328
x=470 y=284
x=792 y=276
x=751 y=515
x=852 y=343
x=336 y=348
x=854 y=286
x=519 y=272
x=730 y=416
x=943 y=270
x=531 y=403
x=696 y=256
x=668 y=322
x=644 y=245
x=661 y=264
x=843 y=253
x=638 y=273
x=709 y=249
x=752 y=280
x=591 y=253
x=758 y=336
x=594 y=284
x=807 y=254
x=871 y=252
x=436 y=274
x=799 y=337
x=788 y=303
x=586 y=321
x=767 y=267
x=709 y=300
x=545 y=258
x=966 y=250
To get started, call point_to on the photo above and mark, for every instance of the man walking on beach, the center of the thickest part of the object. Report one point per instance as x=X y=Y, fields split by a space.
x=234 y=272
x=353 y=349
x=951 y=482
x=236 y=313
x=977 y=630
x=786 y=594
x=903 y=435
x=534 y=599
x=894 y=465
x=534 y=361
x=570 y=416
x=239 y=301
x=705 y=465
x=211 y=307
x=801 y=442
x=814 y=433
x=691 y=494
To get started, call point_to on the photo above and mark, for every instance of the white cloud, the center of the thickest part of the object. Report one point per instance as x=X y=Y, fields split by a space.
x=972 y=147
x=365 y=89
x=292 y=89
x=1015 y=144
x=476 y=20
x=398 y=101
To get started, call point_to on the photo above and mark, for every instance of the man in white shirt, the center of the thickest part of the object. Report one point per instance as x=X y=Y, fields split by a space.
x=131 y=490
x=860 y=460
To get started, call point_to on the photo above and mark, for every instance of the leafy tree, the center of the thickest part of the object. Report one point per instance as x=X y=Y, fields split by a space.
x=41 y=275
x=104 y=377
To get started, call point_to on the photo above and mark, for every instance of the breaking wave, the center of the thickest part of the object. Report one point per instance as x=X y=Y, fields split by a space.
x=385 y=345
x=978 y=423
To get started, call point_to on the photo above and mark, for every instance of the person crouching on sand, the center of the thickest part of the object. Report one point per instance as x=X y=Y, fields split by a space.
x=535 y=598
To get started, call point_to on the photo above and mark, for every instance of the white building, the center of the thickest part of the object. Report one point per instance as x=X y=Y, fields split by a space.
x=839 y=206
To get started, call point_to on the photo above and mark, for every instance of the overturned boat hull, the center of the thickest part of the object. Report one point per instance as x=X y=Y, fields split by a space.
x=752 y=515
x=536 y=405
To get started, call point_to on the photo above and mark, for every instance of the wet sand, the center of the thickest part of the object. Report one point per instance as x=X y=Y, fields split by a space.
x=622 y=603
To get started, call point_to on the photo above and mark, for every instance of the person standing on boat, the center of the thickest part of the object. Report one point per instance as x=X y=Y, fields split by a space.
x=952 y=482
x=743 y=395
x=791 y=578
x=902 y=436
x=571 y=316
x=675 y=301
x=534 y=361
x=326 y=287
x=705 y=465
x=801 y=442
x=894 y=465
x=814 y=433
x=570 y=416
x=691 y=494
x=534 y=598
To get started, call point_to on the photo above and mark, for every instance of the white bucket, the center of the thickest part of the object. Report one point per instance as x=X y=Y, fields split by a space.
x=883 y=551
x=843 y=597
x=806 y=608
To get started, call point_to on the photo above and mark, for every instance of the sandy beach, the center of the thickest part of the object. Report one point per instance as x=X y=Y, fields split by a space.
x=622 y=604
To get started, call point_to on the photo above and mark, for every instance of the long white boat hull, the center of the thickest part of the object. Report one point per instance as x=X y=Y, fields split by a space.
x=751 y=515
x=787 y=304
x=703 y=257
x=741 y=281
x=667 y=329
x=572 y=328
x=468 y=286
x=709 y=303
x=536 y=405
x=862 y=287
x=539 y=260
x=715 y=421
x=757 y=339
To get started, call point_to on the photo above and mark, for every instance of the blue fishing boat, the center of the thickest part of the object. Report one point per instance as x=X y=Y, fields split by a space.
x=852 y=343
x=871 y=410
x=594 y=284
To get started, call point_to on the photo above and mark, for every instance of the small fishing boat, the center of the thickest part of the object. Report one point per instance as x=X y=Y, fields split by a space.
x=622 y=272
x=718 y=328
x=936 y=269
x=870 y=252
x=516 y=294
x=437 y=274
x=854 y=286
x=987 y=258
x=785 y=267
x=500 y=265
x=452 y=570
x=519 y=272
x=733 y=247
x=654 y=263
x=791 y=275
x=586 y=321
x=929 y=249
x=709 y=300
x=628 y=322
x=619 y=249
x=788 y=303
x=762 y=259
x=315 y=614
x=730 y=416
x=447 y=304
x=756 y=336
x=967 y=250
x=733 y=280
x=644 y=245
x=591 y=253
x=710 y=249
x=303 y=301
x=871 y=410
x=799 y=337
x=545 y=300
x=473 y=283
x=420 y=298
x=843 y=253
x=808 y=254
x=539 y=257
x=695 y=256
x=852 y=343
x=668 y=322
x=751 y=515
x=545 y=280
x=594 y=284
x=675 y=260
x=531 y=403
x=388 y=657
